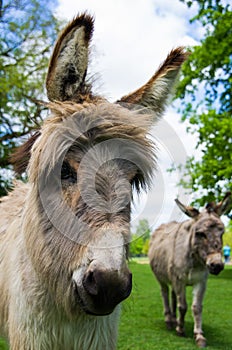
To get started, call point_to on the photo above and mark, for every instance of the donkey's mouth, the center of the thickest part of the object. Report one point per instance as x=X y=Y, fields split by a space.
x=90 y=310
x=215 y=269
x=214 y=264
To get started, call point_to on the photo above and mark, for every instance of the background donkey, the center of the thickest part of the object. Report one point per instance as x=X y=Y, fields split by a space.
x=183 y=254
x=64 y=235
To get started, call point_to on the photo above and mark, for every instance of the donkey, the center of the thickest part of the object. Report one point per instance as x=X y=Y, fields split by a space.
x=65 y=233
x=183 y=254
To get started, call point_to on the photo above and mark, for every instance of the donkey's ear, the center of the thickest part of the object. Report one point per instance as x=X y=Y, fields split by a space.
x=156 y=92
x=225 y=204
x=69 y=61
x=188 y=210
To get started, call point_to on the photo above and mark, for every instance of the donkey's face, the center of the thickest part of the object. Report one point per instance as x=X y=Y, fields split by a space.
x=88 y=157
x=207 y=230
x=89 y=163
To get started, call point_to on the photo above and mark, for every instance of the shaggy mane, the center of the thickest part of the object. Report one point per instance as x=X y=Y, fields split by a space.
x=80 y=124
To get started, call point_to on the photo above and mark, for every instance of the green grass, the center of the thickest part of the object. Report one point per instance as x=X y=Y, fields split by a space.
x=142 y=324
x=3 y=345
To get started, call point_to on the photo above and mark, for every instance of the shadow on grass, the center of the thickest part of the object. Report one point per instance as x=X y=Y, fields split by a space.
x=215 y=338
x=225 y=274
x=160 y=324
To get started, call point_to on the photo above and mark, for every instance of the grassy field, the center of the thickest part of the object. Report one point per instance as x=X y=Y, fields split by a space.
x=142 y=324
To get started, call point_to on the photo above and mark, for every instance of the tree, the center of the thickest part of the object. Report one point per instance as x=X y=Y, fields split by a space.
x=227 y=237
x=146 y=246
x=27 y=32
x=136 y=246
x=205 y=91
x=140 y=240
x=143 y=230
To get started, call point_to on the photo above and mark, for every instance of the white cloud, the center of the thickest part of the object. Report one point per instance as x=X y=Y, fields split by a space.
x=174 y=146
x=131 y=39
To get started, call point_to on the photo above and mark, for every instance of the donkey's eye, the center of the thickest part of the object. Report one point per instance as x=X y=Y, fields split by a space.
x=68 y=173
x=200 y=234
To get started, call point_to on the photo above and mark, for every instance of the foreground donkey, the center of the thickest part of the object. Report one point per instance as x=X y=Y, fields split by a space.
x=183 y=254
x=64 y=236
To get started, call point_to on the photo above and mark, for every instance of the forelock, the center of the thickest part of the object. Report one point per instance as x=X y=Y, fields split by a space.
x=74 y=124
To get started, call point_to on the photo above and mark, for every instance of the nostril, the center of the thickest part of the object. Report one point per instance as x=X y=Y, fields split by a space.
x=90 y=284
x=216 y=268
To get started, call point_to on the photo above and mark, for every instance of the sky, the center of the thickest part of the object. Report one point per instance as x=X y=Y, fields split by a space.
x=131 y=39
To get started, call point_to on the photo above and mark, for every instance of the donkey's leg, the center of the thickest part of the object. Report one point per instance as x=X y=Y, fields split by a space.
x=198 y=295
x=173 y=308
x=167 y=310
x=182 y=308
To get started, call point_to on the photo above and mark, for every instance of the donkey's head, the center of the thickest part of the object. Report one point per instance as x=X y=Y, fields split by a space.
x=84 y=163
x=207 y=229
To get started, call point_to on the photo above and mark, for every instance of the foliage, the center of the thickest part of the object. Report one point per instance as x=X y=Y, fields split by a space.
x=27 y=32
x=142 y=321
x=136 y=246
x=227 y=237
x=140 y=240
x=205 y=92
x=146 y=246
x=143 y=229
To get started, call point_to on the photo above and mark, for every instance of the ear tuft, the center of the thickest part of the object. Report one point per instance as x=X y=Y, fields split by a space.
x=173 y=61
x=188 y=210
x=85 y=20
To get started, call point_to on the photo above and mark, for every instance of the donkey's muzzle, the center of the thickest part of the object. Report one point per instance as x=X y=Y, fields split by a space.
x=215 y=268
x=214 y=263
x=106 y=289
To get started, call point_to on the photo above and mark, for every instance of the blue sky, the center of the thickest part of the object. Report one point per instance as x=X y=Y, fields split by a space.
x=131 y=39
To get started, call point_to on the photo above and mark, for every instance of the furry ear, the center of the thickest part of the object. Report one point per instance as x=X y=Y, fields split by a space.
x=21 y=155
x=156 y=92
x=188 y=210
x=69 y=61
x=225 y=204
